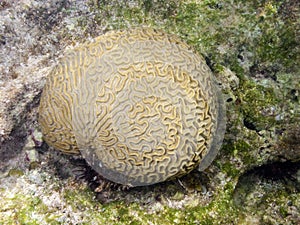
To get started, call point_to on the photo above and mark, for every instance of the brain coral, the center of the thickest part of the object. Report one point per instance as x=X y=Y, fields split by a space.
x=139 y=105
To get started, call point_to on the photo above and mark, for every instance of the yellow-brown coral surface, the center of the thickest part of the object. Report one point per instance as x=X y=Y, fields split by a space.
x=140 y=106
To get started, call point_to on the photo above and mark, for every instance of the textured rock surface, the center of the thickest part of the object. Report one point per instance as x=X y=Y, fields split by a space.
x=252 y=46
x=140 y=104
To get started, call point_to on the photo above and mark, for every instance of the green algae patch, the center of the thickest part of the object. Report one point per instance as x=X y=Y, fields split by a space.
x=220 y=211
x=256 y=102
x=23 y=209
x=73 y=204
x=15 y=172
x=80 y=198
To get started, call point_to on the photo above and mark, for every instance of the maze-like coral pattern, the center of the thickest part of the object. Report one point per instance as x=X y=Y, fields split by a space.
x=140 y=104
x=55 y=116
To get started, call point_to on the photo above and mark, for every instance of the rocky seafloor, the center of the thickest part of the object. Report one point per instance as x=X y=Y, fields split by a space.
x=253 y=49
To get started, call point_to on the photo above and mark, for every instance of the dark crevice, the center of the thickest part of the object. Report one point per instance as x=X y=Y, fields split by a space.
x=11 y=146
x=270 y=177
